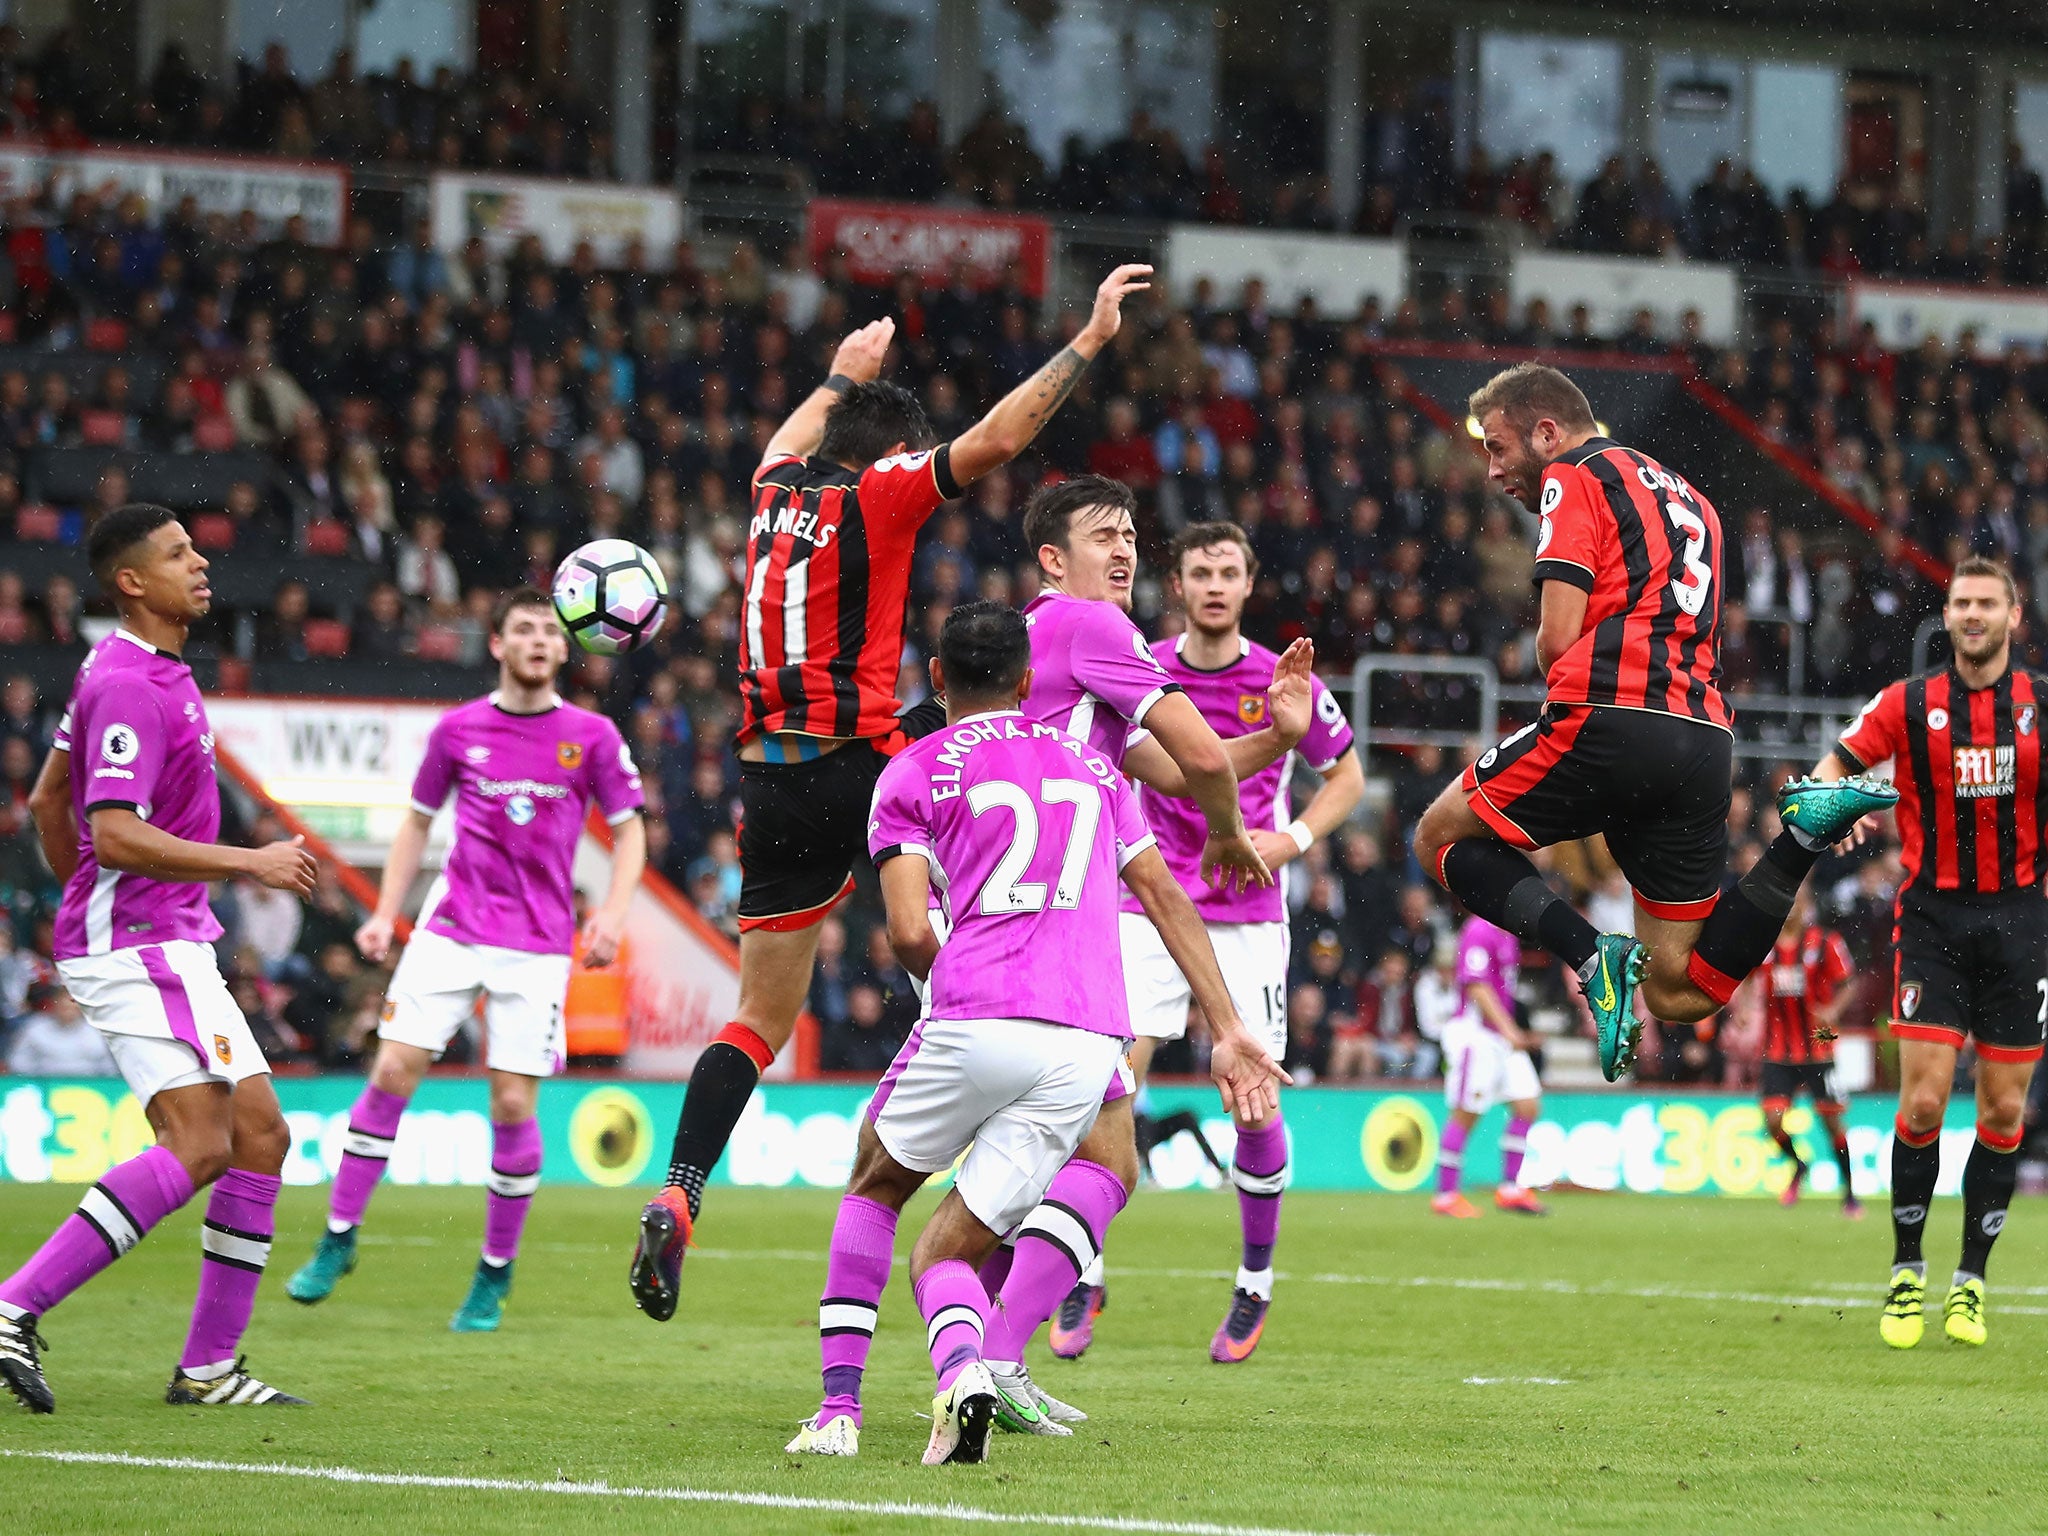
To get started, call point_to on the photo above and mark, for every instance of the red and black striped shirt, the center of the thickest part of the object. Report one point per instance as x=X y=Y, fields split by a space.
x=1967 y=764
x=1803 y=974
x=1645 y=548
x=828 y=587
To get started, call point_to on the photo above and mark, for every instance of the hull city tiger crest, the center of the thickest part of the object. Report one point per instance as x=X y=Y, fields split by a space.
x=224 y=1050
x=1909 y=999
x=569 y=754
x=1251 y=708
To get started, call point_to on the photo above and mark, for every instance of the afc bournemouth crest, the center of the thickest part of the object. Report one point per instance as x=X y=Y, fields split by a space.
x=223 y=1050
x=569 y=754
x=1909 y=999
x=1251 y=708
x=2023 y=719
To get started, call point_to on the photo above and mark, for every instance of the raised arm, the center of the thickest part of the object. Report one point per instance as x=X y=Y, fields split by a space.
x=858 y=360
x=123 y=840
x=49 y=804
x=1021 y=415
x=1288 y=703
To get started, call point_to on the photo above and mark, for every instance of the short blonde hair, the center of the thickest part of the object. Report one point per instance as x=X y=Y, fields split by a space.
x=1984 y=565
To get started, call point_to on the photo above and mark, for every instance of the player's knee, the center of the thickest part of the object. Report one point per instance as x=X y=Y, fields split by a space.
x=204 y=1152
x=514 y=1102
x=392 y=1073
x=1922 y=1105
x=261 y=1144
x=2002 y=1111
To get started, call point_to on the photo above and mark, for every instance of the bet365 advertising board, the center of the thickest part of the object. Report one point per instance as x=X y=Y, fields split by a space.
x=801 y=1135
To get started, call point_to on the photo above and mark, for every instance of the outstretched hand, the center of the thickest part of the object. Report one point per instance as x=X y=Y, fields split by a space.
x=1289 y=703
x=1107 y=318
x=860 y=356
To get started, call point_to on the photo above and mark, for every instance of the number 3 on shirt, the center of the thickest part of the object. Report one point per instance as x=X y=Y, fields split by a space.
x=1699 y=576
x=1003 y=891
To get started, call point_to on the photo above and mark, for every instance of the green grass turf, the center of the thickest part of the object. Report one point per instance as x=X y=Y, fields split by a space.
x=1754 y=1394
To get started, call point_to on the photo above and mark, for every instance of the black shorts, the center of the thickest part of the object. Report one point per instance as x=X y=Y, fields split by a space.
x=1781 y=1081
x=1656 y=785
x=802 y=826
x=1972 y=966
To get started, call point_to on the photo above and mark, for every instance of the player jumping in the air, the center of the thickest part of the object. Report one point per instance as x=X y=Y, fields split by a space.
x=1969 y=924
x=1095 y=679
x=130 y=827
x=1486 y=1062
x=1634 y=737
x=1225 y=676
x=498 y=923
x=1022 y=830
x=1808 y=983
x=845 y=485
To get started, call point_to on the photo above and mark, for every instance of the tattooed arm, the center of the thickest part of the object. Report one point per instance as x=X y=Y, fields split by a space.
x=1022 y=414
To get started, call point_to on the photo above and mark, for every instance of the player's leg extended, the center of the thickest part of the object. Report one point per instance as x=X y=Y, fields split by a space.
x=1062 y=1238
x=775 y=978
x=1988 y=1180
x=856 y=1273
x=1926 y=1069
x=192 y=1125
x=1469 y=856
x=395 y=1076
x=234 y=1247
x=508 y=1196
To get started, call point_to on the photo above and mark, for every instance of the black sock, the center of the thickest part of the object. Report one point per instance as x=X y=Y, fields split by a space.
x=1738 y=934
x=720 y=1085
x=1988 y=1179
x=1914 y=1170
x=1501 y=885
x=1842 y=1162
x=1783 y=1138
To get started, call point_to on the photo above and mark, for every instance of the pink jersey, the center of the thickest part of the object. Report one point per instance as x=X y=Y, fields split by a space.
x=138 y=738
x=1092 y=674
x=1233 y=700
x=1491 y=955
x=1026 y=832
x=521 y=783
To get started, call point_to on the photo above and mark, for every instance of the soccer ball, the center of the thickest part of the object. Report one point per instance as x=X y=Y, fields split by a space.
x=609 y=596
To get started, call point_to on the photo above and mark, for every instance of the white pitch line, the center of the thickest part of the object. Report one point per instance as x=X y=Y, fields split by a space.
x=962 y=1513
x=1518 y=1381
x=1846 y=1294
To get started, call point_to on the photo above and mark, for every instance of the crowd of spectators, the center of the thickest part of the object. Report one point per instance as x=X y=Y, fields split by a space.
x=1266 y=166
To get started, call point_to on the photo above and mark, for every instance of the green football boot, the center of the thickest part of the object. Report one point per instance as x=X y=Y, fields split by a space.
x=485 y=1303
x=1827 y=809
x=335 y=1257
x=1609 y=982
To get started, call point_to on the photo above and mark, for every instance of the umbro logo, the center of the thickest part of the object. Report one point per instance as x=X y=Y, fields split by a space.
x=478 y=754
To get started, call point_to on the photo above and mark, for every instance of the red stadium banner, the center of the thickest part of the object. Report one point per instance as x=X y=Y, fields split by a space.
x=881 y=240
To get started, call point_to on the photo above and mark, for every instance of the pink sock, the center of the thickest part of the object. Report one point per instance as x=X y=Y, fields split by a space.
x=856 y=1272
x=515 y=1175
x=372 y=1127
x=995 y=1269
x=1450 y=1158
x=955 y=1310
x=111 y=1219
x=1513 y=1147
x=1259 y=1170
x=234 y=1245
x=1059 y=1239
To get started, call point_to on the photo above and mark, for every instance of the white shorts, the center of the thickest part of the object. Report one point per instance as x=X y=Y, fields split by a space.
x=168 y=1017
x=435 y=988
x=1481 y=1069
x=1016 y=1095
x=1252 y=957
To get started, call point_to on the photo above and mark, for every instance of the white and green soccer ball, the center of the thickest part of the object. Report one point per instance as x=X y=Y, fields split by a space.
x=610 y=595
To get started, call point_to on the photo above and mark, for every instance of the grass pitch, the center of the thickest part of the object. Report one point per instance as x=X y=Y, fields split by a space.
x=1631 y=1364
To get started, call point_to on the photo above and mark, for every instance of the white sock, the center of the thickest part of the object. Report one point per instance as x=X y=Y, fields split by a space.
x=1258 y=1281
x=212 y=1372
